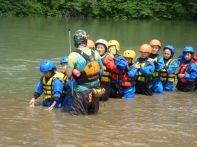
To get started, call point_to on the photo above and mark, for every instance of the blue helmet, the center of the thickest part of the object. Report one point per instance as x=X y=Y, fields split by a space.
x=171 y=48
x=188 y=49
x=64 y=60
x=46 y=65
x=80 y=37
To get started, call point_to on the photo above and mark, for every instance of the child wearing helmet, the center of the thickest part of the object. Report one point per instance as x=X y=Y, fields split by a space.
x=102 y=47
x=69 y=84
x=90 y=44
x=115 y=63
x=129 y=75
x=187 y=72
x=113 y=47
x=168 y=72
x=195 y=60
x=50 y=85
x=159 y=65
x=145 y=69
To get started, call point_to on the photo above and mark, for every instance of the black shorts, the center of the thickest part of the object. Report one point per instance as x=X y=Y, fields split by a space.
x=81 y=106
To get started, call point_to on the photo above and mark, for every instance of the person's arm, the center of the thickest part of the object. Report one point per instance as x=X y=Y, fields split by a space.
x=181 y=59
x=37 y=93
x=57 y=90
x=172 y=67
x=132 y=72
x=100 y=63
x=148 y=69
x=192 y=72
x=71 y=64
x=108 y=61
x=159 y=64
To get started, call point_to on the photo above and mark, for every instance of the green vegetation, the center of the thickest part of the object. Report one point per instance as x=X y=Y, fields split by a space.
x=116 y=9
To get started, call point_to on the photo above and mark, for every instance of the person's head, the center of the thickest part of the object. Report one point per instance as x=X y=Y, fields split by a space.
x=156 y=45
x=48 y=68
x=90 y=44
x=188 y=53
x=129 y=55
x=63 y=63
x=113 y=47
x=101 y=46
x=80 y=38
x=168 y=51
x=145 y=50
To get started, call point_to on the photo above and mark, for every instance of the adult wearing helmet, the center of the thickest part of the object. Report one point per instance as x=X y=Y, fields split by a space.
x=115 y=63
x=145 y=69
x=129 y=75
x=85 y=64
x=159 y=65
x=168 y=72
x=50 y=85
x=187 y=73
x=102 y=48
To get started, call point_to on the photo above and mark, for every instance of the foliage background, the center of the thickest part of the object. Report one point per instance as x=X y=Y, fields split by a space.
x=115 y=9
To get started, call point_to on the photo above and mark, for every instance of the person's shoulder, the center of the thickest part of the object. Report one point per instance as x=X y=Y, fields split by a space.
x=96 y=54
x=148 y=62
x=160 y=57
x=57 y=81
x=73 y=55
x=193 y=64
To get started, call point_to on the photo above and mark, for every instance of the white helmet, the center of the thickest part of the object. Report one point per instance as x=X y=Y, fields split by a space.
x=102 y=41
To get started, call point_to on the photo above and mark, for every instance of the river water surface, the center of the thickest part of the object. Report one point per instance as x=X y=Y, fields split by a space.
x=160 y=120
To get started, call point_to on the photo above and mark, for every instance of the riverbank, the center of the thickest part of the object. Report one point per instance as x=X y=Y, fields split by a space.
x=116 y=9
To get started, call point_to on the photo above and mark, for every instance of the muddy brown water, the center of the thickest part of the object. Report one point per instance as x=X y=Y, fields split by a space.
x=169 y=119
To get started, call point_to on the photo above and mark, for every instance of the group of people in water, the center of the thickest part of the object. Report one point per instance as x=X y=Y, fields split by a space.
x=96 y=71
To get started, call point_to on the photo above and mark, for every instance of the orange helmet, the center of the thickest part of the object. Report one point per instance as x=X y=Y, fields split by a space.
x=90 y=44
x=155 y=42
x=146 y=48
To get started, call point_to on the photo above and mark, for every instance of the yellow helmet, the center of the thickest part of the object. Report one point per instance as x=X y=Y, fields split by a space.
x=115 y=43
x=155 y=42
x=129 y=54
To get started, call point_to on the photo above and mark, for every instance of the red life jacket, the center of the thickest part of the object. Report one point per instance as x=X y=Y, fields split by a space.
x=195 y=58
x=127 y=81
x=182 y=70
x=108 y=62
x=115 y=75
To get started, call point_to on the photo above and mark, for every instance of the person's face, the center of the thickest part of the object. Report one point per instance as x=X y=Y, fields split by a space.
x=47 y=74
x=144 y=55
x=101 y=49
x=155 y=49
x=63 y=68
x=188 y=56
x=129 y=60
x=112 y=50
x=167 y=54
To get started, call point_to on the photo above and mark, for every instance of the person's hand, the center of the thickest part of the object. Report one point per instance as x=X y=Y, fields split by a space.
x=150 y=60
x=32 y=102
x=181 y=75
x=90 y=97
x=52 y=106
x=136 y=66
